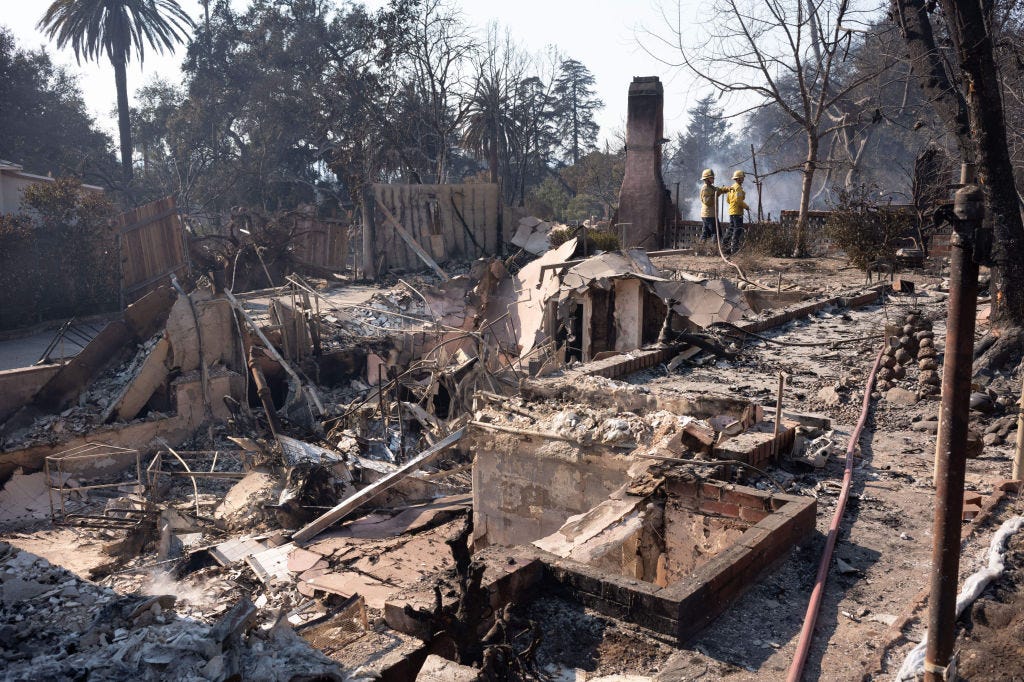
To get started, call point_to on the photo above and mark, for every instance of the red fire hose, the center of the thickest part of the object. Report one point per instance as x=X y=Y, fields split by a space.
x=803 y=646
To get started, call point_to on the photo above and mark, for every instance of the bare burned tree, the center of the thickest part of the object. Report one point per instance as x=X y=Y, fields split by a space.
x=440 y=54
x=783 y=53
x=969 y=100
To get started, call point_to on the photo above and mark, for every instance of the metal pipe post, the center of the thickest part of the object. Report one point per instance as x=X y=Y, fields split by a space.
x=263 y=393
x=1018 y=453
x=954 y=420
x=778 y=414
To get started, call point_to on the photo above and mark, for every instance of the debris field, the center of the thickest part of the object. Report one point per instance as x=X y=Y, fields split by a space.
x=521 y=472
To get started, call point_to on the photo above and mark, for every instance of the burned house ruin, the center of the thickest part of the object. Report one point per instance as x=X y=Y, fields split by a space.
x=505 y=458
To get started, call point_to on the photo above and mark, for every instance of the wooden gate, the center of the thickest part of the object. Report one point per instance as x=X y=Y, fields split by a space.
x=321 y=243
x=152 y=247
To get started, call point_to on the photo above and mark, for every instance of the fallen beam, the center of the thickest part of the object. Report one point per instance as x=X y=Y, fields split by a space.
x=353 y=502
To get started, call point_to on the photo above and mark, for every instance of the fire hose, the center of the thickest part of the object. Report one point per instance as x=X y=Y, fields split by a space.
x=803 y=646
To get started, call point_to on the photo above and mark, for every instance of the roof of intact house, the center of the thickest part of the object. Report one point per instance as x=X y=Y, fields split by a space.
x=11 y=168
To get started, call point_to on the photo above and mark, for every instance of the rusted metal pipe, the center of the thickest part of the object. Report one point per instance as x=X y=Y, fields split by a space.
x=954 y=419
x=1018 y=452
x=803 y=646
x=263 y=392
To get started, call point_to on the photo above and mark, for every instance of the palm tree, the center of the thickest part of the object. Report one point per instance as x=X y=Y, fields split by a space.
x=117 y=28
x=486 y=124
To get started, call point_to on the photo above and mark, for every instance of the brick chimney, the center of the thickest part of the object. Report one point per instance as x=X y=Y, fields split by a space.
x=642 y=196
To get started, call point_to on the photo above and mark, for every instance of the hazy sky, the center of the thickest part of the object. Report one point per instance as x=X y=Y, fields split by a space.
x=599 y=33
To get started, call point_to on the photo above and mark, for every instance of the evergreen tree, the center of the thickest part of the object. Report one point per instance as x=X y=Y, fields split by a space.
x=573 y=110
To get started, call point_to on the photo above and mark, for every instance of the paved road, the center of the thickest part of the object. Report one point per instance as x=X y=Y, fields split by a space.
x=27 y=350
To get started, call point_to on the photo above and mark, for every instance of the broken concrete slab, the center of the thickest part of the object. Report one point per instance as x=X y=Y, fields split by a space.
x=271 y=564
x=243 y=506
x=190 y=395
x=150 y=375
x=582 y=528
x=236 y=549
x=350 y=583
x=437 y=669
x=18 y=386
x=24 y=498
x=141 y=435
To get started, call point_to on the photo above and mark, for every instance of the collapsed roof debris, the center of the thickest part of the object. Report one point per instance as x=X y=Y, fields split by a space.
x=54 y=625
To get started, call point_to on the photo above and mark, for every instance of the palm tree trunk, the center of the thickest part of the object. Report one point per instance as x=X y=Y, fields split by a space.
x=492 y=160
x=124 y=125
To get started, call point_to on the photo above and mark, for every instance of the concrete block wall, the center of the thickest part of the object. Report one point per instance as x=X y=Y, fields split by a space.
x=525 y=488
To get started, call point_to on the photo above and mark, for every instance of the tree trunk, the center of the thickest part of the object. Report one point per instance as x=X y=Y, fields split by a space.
x=971 y=36
x=810 y=165
x=124 y=125
x=367 y=206
x=926 y=64
x=492 y=160
x=978 y=125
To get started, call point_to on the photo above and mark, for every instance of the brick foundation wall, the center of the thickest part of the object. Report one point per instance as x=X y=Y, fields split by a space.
x=683 y=608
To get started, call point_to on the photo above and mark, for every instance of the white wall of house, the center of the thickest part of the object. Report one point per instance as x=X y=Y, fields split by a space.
x=14 y=180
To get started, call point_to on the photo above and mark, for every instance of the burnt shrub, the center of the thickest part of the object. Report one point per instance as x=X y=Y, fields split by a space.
x=776 y=240
x=863 y=228
x=597 y=240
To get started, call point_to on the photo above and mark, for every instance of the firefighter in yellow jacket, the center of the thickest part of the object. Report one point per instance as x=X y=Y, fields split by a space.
x=708 y=197
x=736 y=199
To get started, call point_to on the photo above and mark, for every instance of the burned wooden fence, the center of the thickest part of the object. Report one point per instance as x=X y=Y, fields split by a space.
x=445 y=221
x=152 y=248
x=320 y=243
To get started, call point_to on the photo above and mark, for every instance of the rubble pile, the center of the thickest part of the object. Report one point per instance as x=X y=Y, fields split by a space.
x=314 y=464
x=384 y=313
x=56 y=626
x=94 y=404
